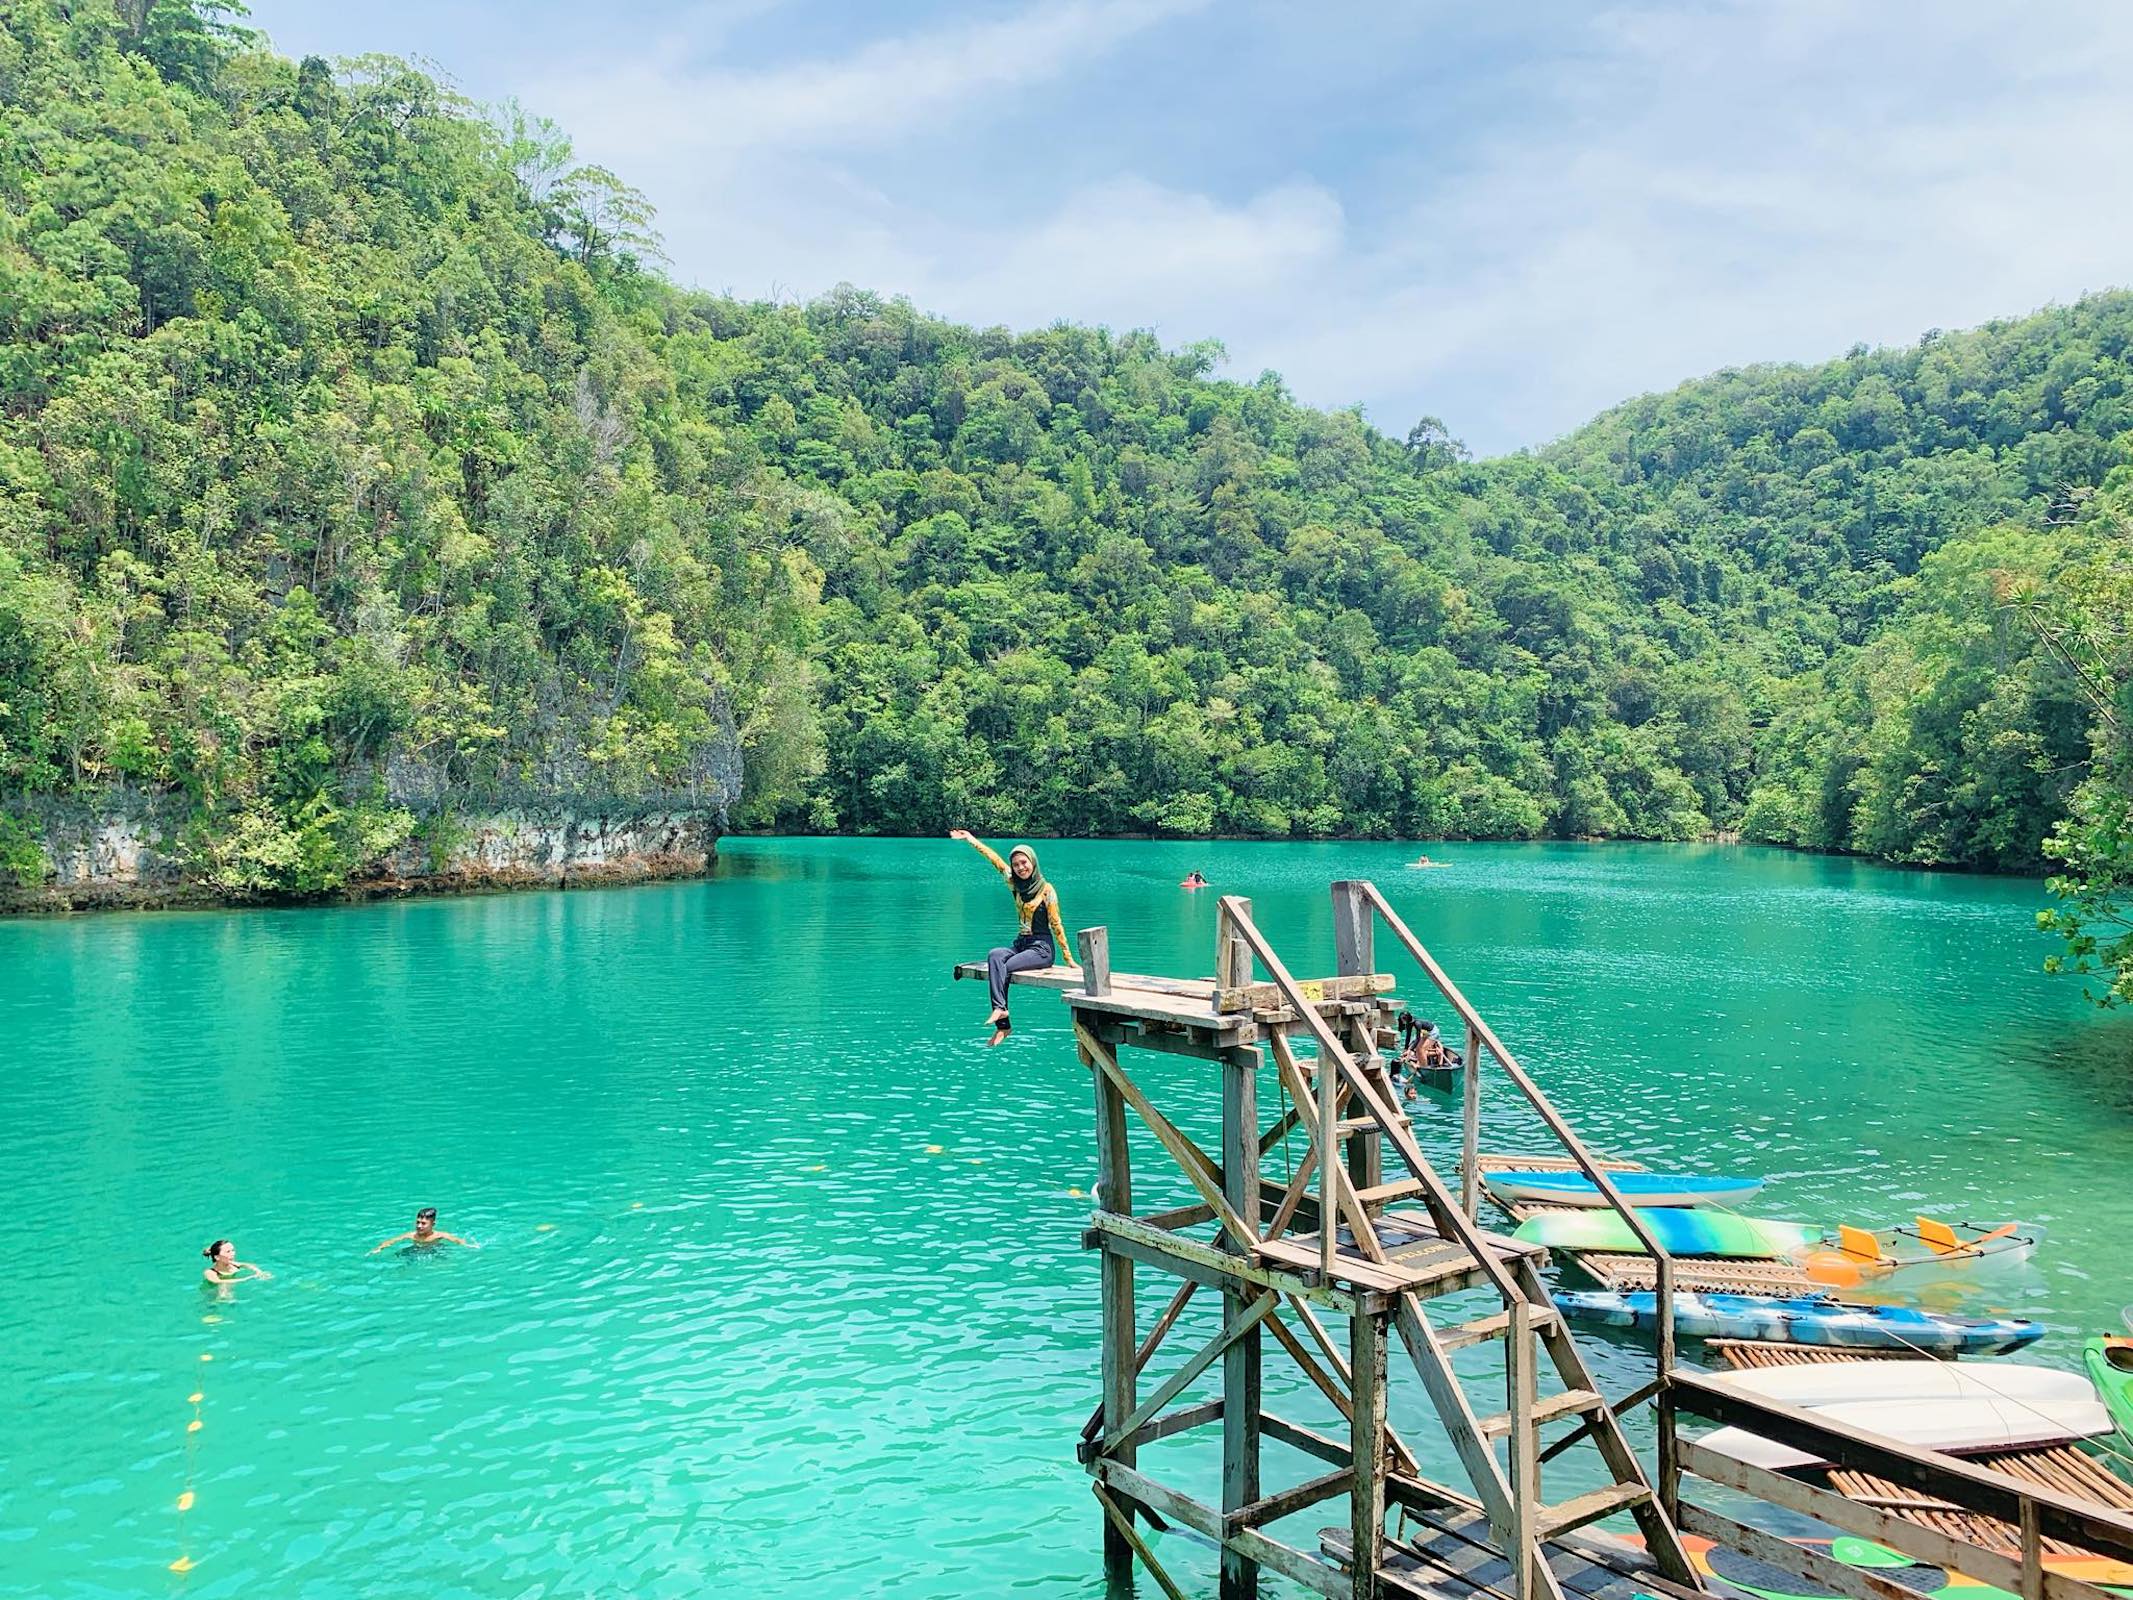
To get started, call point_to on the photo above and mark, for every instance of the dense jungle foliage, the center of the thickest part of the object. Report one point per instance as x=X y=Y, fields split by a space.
x=357 y=462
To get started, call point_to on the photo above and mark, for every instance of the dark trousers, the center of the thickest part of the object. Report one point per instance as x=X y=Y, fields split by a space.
x=1027 y=953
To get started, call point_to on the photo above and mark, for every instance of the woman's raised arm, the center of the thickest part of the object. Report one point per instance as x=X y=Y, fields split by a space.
x=981 y=847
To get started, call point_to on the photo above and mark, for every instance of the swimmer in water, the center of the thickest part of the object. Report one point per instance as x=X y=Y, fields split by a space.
x=223 y=1267
x=426 y=1233
x=1192 y=880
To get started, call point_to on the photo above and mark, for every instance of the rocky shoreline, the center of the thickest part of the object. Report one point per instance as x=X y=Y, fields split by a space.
x=123 y=859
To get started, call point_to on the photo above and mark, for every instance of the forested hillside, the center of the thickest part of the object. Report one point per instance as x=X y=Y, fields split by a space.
x=356 y=460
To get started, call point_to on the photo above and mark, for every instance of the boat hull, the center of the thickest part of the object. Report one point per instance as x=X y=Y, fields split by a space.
x=1805 y=1320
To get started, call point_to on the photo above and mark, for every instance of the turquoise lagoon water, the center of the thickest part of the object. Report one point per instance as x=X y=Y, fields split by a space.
x=780 y=1290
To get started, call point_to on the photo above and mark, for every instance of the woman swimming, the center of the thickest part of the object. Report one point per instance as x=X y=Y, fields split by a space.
x=224 y=1267
x=1043 y=936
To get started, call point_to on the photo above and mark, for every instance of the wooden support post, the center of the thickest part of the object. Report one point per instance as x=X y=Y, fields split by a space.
x=1519 y=1390
x=1233 y=957
x=1366 y=1453
x=1470 y=1128
x=1114 y=1192
x=1366 y=1151
x=1354 y=923
x=1242 y=1403
x=1094 y=945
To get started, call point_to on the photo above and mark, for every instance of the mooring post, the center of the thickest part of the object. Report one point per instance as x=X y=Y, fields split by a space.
x=1114 y=1192
x=1366 y=1443
x=1241 y=1400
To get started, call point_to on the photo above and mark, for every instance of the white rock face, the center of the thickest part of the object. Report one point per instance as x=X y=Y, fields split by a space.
x=127 y=857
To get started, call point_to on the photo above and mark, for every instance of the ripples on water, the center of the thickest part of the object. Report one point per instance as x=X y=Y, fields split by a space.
x=780 y=1290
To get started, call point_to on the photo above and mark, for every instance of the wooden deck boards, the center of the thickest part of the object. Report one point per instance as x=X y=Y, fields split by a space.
x=1450 y=1557
x=2064 y=1467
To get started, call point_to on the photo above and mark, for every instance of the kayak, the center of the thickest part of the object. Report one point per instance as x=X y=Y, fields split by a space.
x=1980 y=1422
x=1925 y=1253
x=1681 y=1232
x=2110 y=1362
x=1640 y=1189
x=1804 y=1319
x=1766 y=1582
x=1845 y=1382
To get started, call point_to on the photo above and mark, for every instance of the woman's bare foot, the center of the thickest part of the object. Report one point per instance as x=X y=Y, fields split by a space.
x=998 y=1035
x=996 y=1018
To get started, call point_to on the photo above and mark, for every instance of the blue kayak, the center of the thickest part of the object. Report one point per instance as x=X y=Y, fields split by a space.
x=1640 y=1189
x=1804 y=1319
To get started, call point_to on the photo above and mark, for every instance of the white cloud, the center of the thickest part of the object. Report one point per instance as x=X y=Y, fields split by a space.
x=660 y=108
x=1610 y=202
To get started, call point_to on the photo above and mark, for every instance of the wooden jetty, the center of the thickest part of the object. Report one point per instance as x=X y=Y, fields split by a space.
x=1337 y=1266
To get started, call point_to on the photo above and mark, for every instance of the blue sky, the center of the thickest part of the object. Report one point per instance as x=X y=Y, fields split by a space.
x=1507 y=216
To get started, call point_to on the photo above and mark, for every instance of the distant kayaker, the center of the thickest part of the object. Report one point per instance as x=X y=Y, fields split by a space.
x=426 y=1233
x=1042 y=941
x=1192 y=880
x=223 y=1267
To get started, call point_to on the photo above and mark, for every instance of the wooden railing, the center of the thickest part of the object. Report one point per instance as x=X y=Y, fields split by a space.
x=1356 y=904
x=2035 y=1513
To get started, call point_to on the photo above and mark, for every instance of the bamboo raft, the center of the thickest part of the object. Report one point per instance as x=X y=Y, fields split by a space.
x=2066 y=1468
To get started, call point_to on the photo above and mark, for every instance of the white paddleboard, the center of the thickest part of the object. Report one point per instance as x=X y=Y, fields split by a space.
x=1847 y=1382
x=1955 y=1426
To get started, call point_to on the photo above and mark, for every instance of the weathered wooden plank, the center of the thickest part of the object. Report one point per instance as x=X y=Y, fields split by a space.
x=1311 y=991
x=1119 y=1521
x=1796 y=1559
x=1241 y=1359
x=1974 y=1488
x=1211 y=1267
x=1095 y=947
x=1287 y=1502
x=1366 y=1448
x=1201 y=1172
x=1120 y=1369
x=1913 y=1539
x=1195 y=1364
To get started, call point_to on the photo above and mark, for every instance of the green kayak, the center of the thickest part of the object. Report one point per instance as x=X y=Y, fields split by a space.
x=1681 y=1232
x=2110 y=1363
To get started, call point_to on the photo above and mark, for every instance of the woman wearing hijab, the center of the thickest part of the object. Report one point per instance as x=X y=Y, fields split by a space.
x=1043 y=935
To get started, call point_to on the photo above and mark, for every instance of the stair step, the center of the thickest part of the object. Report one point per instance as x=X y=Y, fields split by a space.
x=1348 y=1125
x=1400 y=1189
x=1590 y=1507
x=1546 y=1410
x=1458 y=1335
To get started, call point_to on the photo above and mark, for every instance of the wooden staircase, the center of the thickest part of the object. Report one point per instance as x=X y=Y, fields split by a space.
x=1351 y=1254
x=1343 y=1095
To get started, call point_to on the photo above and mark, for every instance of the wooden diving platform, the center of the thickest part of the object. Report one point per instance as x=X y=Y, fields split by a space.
x=1342 y=1268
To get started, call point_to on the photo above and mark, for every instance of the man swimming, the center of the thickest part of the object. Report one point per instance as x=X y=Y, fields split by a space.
x=426 y=1233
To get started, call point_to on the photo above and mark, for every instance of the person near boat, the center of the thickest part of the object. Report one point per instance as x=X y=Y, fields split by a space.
x=1422 y=1049
x=1192 y=880
x=223 y=1267
x=1042 y=941
x=424 y=1234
